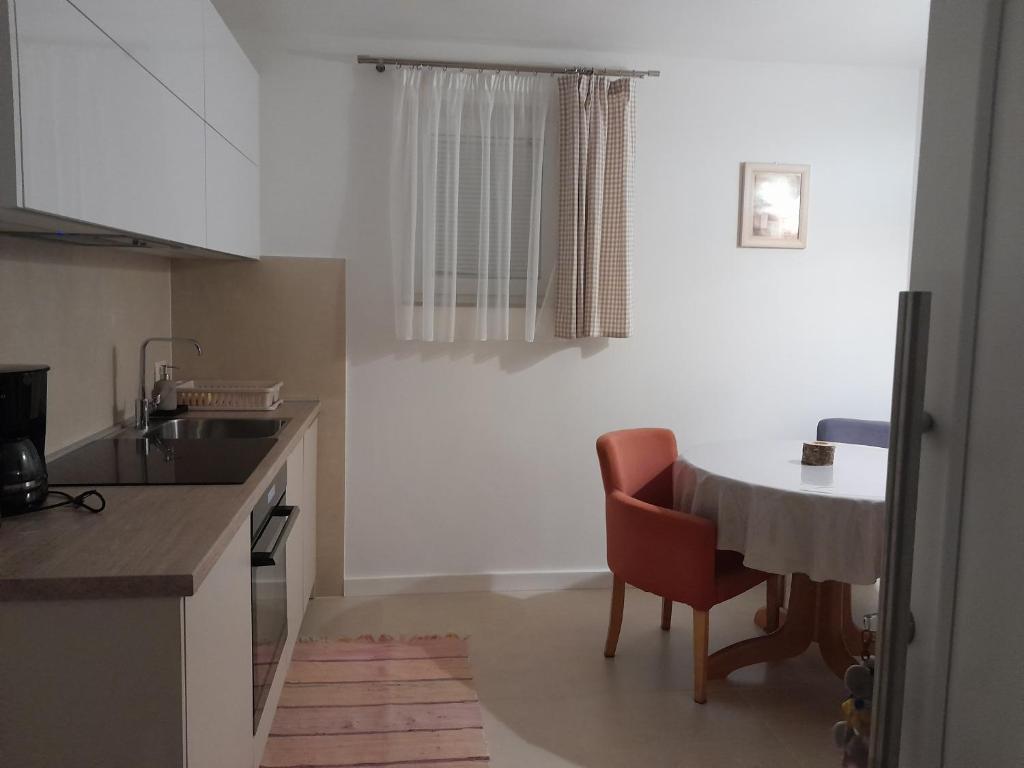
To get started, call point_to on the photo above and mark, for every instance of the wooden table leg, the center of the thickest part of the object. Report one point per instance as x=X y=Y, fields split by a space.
x=773 y=615
x=818 y=613
x=833 y=623
x=854 y=634
x=791 y=639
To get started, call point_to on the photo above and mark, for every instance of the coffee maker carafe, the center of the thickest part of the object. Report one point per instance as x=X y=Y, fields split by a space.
x=23 y=484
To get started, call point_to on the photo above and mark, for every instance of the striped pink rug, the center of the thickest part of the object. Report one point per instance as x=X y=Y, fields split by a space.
x=362 y=703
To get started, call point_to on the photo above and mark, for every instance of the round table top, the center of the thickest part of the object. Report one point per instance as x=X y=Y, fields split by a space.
x=783 y=517
x=859 y=471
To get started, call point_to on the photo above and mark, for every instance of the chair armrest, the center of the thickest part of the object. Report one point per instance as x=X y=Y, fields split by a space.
x=664 y=551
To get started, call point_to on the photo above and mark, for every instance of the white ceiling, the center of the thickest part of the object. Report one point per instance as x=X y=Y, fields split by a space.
x=882 y=32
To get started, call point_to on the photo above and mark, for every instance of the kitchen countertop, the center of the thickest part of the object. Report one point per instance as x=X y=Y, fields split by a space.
x=150 y=541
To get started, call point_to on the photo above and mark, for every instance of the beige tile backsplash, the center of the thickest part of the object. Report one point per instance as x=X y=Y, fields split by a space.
x=281 y=319
x=83 y=311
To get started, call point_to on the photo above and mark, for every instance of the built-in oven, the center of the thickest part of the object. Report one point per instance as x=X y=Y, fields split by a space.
x=271 y=523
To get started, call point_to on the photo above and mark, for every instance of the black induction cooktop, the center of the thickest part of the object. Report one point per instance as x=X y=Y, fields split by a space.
x=149 y=461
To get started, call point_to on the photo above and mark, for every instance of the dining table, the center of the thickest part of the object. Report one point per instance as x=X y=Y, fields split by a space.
x=821 y=526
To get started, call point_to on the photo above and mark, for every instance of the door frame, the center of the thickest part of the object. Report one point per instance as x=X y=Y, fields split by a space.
x=959 y=92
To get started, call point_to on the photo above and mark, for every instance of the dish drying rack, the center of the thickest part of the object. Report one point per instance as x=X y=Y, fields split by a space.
x=229 y=395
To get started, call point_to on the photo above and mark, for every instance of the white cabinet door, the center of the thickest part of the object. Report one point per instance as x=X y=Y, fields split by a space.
x=295 y=473
x=296 y=551
x=232 y=87
x=164 y=37
x=218 y=662
x=309 y=465
x=232 y=199
x=101 y=140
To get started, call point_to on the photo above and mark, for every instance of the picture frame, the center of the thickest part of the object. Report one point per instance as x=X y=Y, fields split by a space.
x=774 y=204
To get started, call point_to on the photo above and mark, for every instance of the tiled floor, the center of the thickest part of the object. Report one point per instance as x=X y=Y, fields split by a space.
x=552 y=700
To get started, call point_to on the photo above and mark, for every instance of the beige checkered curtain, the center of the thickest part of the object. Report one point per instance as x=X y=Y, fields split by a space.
x=597 y=140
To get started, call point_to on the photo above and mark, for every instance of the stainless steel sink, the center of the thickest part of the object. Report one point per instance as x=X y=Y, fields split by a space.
x=209 y=429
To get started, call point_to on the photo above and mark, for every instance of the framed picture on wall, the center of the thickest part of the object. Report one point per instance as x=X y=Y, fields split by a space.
x=774 y=205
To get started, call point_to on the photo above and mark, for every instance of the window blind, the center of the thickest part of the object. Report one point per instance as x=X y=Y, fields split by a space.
x=469 y=199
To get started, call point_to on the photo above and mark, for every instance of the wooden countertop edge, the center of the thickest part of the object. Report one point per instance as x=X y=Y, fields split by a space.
x=171 y=586
x=166 y=585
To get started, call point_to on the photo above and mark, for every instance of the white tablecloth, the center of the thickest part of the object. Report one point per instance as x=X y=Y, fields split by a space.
x=826 y=522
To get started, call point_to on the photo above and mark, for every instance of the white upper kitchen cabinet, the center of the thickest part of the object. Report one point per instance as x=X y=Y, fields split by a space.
x=128 y=121
x=232 y=87
x=232 y=198
x=101 y=141
x=165 y=37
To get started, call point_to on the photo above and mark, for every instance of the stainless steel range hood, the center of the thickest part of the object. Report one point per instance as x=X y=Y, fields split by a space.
x=36 y=225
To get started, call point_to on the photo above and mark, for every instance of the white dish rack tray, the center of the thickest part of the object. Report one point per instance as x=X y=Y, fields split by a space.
x=230 y=395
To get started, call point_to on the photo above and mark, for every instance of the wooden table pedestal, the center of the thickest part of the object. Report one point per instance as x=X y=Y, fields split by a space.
x=818 y=612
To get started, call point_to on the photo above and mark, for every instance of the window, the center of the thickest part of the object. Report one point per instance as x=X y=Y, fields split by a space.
x=470 y=269
x=467 y=171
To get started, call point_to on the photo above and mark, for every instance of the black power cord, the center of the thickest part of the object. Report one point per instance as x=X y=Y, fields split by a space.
x=78 y=502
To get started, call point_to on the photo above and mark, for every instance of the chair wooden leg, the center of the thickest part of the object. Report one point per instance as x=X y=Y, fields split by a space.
x=776 y=597
x=666 y=614
x=615 y=620
x=700 y=656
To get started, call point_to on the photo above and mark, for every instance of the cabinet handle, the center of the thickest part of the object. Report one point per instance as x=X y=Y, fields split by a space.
x=262 y=558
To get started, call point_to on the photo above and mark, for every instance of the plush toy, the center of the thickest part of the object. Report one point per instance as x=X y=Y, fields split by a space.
x=851 y=735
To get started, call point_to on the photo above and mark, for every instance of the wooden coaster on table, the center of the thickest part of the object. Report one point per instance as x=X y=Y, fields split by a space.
x=818 y=453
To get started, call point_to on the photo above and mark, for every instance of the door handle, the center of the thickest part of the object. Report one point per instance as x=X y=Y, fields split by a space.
x=896 y=626
x=927 y=422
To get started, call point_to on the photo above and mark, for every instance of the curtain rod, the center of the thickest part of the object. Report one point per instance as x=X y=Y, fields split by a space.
x=382 y=61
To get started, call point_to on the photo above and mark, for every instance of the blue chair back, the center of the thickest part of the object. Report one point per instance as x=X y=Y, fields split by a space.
x=857 y=431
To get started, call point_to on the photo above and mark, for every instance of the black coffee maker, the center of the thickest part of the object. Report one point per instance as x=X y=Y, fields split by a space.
x=23 y=485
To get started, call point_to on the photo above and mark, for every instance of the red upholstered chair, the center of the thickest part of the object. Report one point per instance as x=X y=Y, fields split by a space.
x=661 y=550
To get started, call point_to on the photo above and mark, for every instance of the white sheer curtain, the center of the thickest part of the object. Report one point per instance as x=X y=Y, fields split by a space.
x=467 y=166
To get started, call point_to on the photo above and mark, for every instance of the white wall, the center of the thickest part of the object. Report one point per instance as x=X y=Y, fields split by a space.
x=477 y=458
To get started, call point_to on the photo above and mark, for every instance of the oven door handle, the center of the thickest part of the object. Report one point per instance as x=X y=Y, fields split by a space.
x=264 y=558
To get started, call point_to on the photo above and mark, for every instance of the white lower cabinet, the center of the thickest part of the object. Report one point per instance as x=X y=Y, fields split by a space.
x=218 y=663
x=92 y=683
x=299 y=492
x=157 y=682
x=302 y=471
x=297 y=597
x=296 y=496
x=309 y=471
x=218 y=643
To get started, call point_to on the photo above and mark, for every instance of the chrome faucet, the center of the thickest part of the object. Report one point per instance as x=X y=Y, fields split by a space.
x=144 y=404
